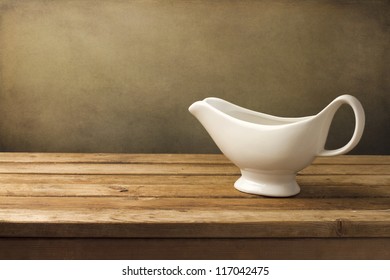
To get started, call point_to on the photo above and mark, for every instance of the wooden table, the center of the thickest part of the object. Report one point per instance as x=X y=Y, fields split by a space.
x=146 y=206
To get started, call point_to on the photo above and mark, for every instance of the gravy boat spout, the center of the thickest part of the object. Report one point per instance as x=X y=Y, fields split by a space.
x=270 y=150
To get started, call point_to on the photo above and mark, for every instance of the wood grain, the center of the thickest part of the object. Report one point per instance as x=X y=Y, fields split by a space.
x=139 y=179
x=135 y=203
x=47 y=197
x=170 y=169
x=199 y=223
x=180 y=191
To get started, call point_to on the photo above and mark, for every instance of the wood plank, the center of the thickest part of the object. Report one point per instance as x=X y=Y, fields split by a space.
x=354 y=159
x=180 y=191
x=166 y=158
x=104 y=168
x=218 y=180
x=318 y=192
x=184 y=204
x=160 y=216
x=195 y=248
x=343 y=180
x=197 y=223
x=171 y=169
x=122 y=179
x=341 y=169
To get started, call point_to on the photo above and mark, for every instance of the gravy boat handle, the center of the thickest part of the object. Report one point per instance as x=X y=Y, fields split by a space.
x=331 y=109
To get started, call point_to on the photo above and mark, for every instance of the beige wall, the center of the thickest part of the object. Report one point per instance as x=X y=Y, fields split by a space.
x=118 y=76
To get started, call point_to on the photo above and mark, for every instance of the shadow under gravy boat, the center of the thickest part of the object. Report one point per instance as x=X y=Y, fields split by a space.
x=270 y=150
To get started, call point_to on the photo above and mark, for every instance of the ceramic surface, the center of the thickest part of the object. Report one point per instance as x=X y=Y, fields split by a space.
x=270 y=150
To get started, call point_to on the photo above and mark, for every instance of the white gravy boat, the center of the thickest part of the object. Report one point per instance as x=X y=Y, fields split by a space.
x=270 y=150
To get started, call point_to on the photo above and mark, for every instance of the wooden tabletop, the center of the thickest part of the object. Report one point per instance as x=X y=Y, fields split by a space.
x=47 y=195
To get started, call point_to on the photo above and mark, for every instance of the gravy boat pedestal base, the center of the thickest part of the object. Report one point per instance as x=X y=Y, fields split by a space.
x=275 y=185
